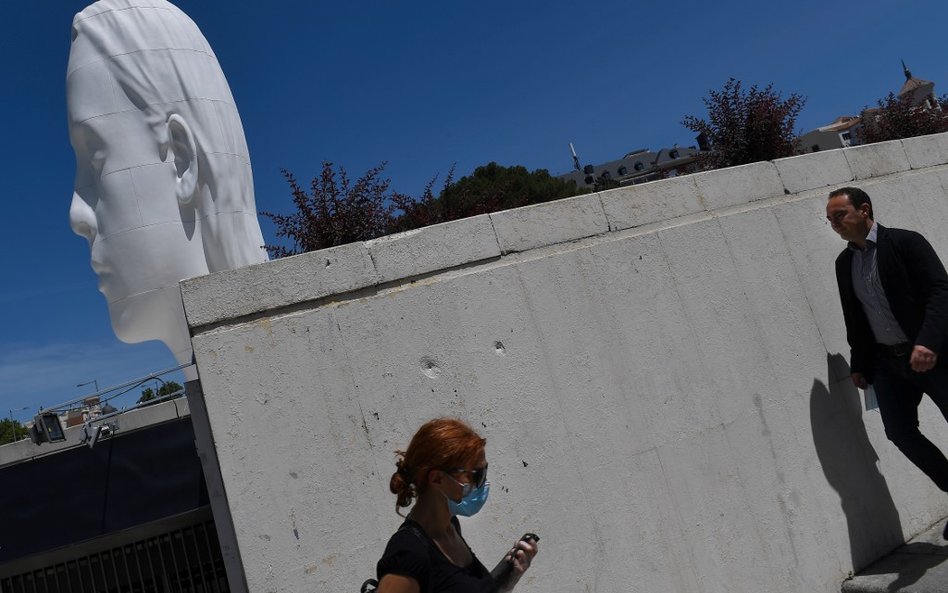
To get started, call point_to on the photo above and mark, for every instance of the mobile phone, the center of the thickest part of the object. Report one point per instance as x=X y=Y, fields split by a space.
x=503 y=569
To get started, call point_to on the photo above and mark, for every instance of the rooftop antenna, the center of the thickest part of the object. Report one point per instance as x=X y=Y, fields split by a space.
x=575 y=158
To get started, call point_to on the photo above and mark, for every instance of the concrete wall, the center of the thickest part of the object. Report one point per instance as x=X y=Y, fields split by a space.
x=657 y=370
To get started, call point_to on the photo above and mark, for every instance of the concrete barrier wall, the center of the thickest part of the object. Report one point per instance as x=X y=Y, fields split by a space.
x=660 y=372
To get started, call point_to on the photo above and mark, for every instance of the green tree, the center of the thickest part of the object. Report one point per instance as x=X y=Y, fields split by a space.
x=11 y=430
x=897 y=117
x=166 y=388
x=494 y=187
x=489 y=188
x=746 y=126
x=335 y=211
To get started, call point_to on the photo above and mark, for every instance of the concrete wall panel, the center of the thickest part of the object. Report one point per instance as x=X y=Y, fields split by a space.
x=926 y=151
x=286 y=282
x=738 y=185
x=873 y=160
x=535 y=226
x=667 y=403
x=813 y=171
x=637 y=205
x=437 y=247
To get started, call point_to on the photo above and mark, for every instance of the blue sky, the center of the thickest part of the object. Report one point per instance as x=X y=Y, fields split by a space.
x=421 y=86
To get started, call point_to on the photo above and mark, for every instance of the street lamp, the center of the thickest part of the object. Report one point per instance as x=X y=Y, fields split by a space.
x=92 y=382
x=13 y=422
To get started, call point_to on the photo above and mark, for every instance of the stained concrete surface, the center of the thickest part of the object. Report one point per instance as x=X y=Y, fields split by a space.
x=660 y=372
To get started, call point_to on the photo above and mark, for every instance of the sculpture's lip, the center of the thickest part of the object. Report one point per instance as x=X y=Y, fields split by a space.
x=102 y=271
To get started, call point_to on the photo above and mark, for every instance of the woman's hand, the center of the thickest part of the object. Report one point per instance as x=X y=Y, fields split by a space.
x=520 y=557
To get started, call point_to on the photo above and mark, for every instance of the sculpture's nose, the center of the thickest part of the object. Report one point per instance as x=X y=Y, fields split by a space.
x=82 y=218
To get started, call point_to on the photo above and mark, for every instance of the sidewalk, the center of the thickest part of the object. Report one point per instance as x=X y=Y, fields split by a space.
x=919 y=566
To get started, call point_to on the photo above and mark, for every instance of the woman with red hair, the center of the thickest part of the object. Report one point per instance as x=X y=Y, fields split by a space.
x=444 y=470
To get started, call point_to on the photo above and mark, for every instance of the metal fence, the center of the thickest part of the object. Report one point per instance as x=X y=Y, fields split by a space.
x=186 y=560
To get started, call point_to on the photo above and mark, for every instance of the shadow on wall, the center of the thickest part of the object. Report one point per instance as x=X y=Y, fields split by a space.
x=850 y=465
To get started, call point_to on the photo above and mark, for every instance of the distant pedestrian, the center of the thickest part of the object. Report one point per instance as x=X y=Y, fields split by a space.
x=894 y=292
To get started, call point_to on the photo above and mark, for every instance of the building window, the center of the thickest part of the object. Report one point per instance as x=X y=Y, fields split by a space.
x=815 y=148
x=639 y=166
x=623 y=170
x=845 y=139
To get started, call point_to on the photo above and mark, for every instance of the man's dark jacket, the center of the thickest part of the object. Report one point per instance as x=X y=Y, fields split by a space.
x=916 y=287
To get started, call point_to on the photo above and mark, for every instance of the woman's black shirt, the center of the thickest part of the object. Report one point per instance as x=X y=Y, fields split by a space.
x=410 y=552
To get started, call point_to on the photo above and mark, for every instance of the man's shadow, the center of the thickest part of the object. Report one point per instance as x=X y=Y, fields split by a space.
x=850 y=465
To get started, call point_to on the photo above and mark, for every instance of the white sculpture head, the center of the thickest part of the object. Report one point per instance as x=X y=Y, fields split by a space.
x=163 y=187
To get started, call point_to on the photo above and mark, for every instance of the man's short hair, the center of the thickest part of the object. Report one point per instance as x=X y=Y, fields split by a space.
x=856 y=196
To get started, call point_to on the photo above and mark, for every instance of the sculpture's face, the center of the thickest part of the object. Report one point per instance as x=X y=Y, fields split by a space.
x=124 y=203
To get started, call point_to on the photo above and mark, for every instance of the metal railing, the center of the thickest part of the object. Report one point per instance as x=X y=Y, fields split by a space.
x=185 y=560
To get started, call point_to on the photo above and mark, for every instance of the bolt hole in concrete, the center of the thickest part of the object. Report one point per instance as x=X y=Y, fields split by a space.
x=499 y=349
x=430 y=368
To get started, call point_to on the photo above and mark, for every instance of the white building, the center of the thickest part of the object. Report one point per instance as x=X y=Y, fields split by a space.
x=844 y=130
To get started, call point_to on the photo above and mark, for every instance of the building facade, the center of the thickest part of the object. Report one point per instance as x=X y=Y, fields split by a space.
x=637 y=166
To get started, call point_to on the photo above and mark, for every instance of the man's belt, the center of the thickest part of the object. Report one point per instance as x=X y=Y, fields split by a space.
x=897 y=350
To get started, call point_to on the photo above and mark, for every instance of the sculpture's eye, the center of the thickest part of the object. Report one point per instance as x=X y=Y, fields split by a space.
x=89 y=149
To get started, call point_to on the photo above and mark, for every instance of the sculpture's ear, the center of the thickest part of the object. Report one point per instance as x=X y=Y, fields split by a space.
x=184 y=149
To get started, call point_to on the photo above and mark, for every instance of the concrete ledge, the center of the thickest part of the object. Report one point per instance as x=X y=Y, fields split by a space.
x=637 y=205
x=433 y=248
x=926 y=151
x=814 y=170
x=876 y=160
x=738 y=185
x=549 y=223
x=278 y=283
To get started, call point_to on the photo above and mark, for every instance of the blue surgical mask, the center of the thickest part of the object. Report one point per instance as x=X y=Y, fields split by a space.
x=470 y=502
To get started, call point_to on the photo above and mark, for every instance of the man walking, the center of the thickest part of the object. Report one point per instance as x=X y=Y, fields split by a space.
x=894 y=292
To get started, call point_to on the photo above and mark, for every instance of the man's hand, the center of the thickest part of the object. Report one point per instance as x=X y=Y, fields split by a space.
x=922 y=359
x=859 y=380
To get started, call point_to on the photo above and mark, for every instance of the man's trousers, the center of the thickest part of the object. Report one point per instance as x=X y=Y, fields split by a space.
x=899 y=391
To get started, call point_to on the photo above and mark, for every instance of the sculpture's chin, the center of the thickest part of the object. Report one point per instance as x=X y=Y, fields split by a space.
x=147 y=316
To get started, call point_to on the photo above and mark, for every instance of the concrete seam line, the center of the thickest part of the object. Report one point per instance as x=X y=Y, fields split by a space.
x=335 y=298
x=783 y=183
x=490 y=217
x=602 y=205
x=578 y=243
x=375 y=266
